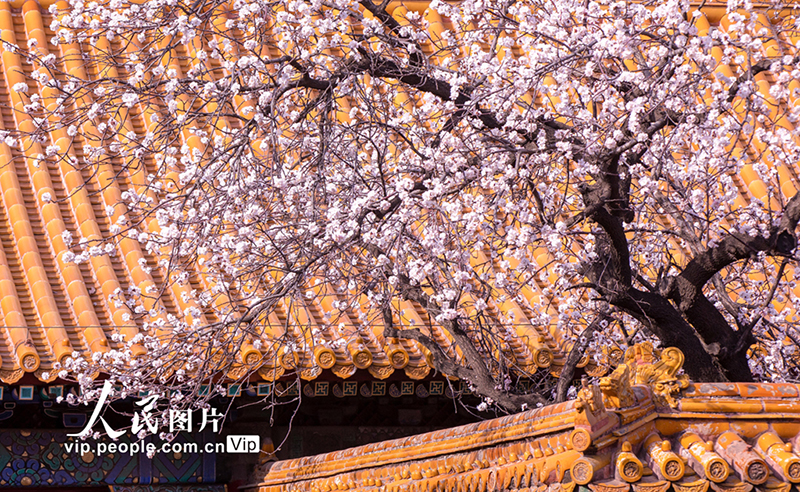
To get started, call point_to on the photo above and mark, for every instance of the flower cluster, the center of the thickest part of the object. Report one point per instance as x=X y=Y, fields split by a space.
x=275 y=155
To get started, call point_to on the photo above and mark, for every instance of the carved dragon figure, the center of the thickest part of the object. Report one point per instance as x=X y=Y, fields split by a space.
x=642 y=366
x=616 y=388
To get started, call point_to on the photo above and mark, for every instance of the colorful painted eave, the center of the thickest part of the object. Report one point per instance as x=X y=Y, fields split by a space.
x=642 y=429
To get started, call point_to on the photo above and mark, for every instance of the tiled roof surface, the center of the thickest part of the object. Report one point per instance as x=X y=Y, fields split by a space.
x=615 y=437
x=52 y=308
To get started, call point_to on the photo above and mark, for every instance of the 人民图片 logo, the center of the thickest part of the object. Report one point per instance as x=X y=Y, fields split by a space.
x=145 y=421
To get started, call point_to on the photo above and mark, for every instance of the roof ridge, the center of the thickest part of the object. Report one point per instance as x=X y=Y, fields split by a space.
x=550 y=418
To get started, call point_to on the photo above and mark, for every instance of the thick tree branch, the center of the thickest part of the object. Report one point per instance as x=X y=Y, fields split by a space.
x=663 y=320
x=761 y=66
x=716 y=332
x=441 y=361
x=686 y=289
x=781 y=241
x=575 y=354
x=479 y=376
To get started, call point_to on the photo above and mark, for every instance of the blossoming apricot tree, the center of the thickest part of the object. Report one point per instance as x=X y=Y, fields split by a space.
x=622 y=169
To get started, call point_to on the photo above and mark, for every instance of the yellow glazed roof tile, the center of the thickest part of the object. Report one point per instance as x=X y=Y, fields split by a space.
x=81 y=212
